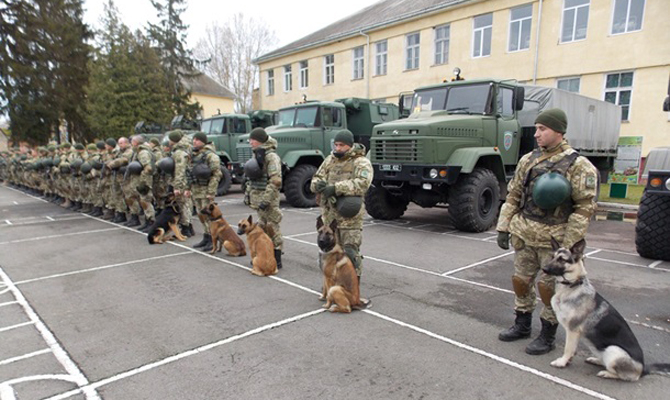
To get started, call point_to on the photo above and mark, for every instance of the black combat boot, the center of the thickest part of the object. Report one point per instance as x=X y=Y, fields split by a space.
x=206 y=238
x=77 y=206
x=278 y=258
x=544 y=343
x=147 y=223
x=208 y=246
x=133 y=221
x=86 y=208
x=97 y=212
x=520 y=330
x=187 y=230
x=108 y=215
x=121 y=218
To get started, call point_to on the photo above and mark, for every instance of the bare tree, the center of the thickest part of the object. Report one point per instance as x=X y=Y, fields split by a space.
x=231 y=48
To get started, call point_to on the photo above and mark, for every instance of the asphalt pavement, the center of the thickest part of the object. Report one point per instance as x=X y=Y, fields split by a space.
x=90 y=310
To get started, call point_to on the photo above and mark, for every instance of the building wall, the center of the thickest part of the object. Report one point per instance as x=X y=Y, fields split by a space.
x=212 y=105
x=646 y=53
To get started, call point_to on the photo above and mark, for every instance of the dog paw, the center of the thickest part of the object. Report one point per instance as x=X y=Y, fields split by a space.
x=594 y=361
x=607 y=375
x=560 y=363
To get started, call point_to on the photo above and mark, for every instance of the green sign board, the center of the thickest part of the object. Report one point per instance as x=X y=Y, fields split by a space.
x=627 y=163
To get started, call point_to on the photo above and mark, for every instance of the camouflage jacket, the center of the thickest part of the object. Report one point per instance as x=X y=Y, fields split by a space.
x=145 y=156
x=181 y=153
x=271 y=181
x=122 y=158
x=214 y=162
x=583 y=178
x=351 y=175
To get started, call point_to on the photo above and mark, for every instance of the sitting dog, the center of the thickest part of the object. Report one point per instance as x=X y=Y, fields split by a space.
x=261 y=247
x=222 y=233
x=584 y=313
x=340 y=283
x=166 y=225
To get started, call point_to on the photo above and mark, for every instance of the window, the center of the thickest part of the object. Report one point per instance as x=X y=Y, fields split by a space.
x=504 y=102
x=304 y=75
x=412 y=44
x=568 y=84
x=482 y=28
x=627 y=16
x=271 y=82
x=519 y=27
x=332 y=117
x=329 y=69
x=381 y=58
x=219 y=126
x=288 y=80
x=618 y=90
x=239 y=125
x=575 y=20
x=441 y=44
x=358 y=55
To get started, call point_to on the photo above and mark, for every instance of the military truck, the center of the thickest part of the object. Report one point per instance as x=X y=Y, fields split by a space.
x=462 y=141
x=263 y=118
x=305 y=134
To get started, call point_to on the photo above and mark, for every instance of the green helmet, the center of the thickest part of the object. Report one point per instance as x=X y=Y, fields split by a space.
x=166 y=164
x=348 y=206
x=76 y=164
x=135 y=168
x=252 y=170
x=551 y=190
x=85 y=167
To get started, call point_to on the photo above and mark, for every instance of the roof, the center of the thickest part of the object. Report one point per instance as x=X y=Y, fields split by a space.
x=381 y=14
x=203 y=84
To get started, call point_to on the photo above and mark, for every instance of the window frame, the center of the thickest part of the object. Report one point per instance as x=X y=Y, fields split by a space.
x=303 y=79
x=328 y=79
x=439 y=44
x=520 y=21
x=288 y=83
x=483 y=33
x=618 y=91
x=574 y=26
x=381 y=55
x=570 y=78
x=415 y=51
x=270 y=90
x=358 y=63
x=629 y=2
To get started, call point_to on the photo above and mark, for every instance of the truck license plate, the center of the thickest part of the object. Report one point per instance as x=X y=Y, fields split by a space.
x=390 y=167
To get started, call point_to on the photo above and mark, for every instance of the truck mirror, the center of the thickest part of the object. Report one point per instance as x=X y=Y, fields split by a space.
x=519 y=95
x=404 y=111
x=666 y=104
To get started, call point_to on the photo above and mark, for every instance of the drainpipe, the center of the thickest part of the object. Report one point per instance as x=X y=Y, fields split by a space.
x=367 y=64
x=537 y=41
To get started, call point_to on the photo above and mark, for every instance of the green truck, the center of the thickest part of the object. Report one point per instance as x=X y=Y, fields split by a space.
x=305 y=132
x=462 y=141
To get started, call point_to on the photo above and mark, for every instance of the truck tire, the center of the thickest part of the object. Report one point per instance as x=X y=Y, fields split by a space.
x=297 y=184
x=474 y=201
x=652 y=230
x=381 y=204
x=224 y=182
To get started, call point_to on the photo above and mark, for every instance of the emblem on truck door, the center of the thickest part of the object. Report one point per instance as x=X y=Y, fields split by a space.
x=507 y=140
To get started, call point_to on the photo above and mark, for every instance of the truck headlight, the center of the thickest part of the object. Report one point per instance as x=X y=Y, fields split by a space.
x=667 y=184
x=432 y=173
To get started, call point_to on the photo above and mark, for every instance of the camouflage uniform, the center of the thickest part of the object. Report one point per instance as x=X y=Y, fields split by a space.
x=351 y=175
x=95 y=195
x=181 y=153
x=531 y=228
x=142 y=184
x=118 y=165
x=202 y=189
x=266 y=190
x=106 y=181
x=160 y=182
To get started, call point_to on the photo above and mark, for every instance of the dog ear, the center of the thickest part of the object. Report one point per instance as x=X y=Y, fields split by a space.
x=319 y=222
x=333 y=225
x=250 y=220
x=554 y=244
x=578 y=248
x=216 y=204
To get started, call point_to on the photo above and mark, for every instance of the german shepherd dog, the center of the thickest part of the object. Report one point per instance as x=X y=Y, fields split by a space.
x=263 y=261
x=221 y=232
x=340 y=283
x=166 y=225
x=584 y=313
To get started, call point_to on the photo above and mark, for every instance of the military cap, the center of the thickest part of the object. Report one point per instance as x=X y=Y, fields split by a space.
x=111 y=142
x=259 y=134
x=100 y=145
x=91 y=146
x=553 y=118
x=65 y=145
x=175 y=136
x=345 y=137
x=51 y=147
x=155 y=141
x=79 y=146
x=201 y=136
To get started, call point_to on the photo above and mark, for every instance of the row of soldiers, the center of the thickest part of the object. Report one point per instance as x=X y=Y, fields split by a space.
x=118 y=180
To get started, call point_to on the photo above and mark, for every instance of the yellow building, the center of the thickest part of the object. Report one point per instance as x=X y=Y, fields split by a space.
x=214 y=98
x=614 y=50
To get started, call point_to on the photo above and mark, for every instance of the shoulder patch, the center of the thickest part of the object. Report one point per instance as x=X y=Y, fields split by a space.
x=590 y=181
x=364 y=173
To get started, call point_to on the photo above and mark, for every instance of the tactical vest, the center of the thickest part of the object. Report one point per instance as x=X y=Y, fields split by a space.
x=338 y=171
x=199 y=158
x=136 y=157
x=532 y=211
x=262 y=182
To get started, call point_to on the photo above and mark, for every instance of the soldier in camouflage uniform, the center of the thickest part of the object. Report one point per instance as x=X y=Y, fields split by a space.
x=65 y=174
x=140 y=185
x=106 y=182
x=118 y=168
x=262 y=194
x=531 y=226
x=77 y=179
x=96 y=196
x=160 y=183
x=206 y=173
x=345 y=172
x=180 y=150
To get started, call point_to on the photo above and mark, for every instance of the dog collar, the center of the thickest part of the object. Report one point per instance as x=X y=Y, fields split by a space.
x=216 y=219
x=572 y=284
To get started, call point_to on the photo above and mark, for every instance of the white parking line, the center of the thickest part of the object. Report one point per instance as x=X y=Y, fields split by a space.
x=25 y=356
x=9 y=328
x=176 y=357
x=49 y=218
x=8 y=222
x=8 y=303
x=453 y=271
x=25 y=194
x=59 y=236
x=655 y=264
x=73 y=218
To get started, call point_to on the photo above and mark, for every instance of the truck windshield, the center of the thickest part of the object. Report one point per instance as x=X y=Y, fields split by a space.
x=458 y=99
x=304 y=116
x=219 y=126
x=205 y=126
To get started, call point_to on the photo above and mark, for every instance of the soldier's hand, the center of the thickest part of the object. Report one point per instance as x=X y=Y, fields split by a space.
x=503 y=240
x=210 y=198
x=328 y=191
x=263 y=206
x=319 y=186
x=177 y=192
x=187 y=193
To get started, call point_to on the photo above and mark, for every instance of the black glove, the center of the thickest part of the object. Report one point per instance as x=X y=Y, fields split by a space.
x=247 y=200
x=503 y=240
x=263 y=206
x=319 y=186
x=328 y=191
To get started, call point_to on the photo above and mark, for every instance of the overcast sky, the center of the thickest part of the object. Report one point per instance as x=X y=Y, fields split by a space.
x=290 y=19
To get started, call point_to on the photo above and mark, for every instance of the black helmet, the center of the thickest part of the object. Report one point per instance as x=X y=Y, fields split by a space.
x=551 y=190
x=252 y=170
x=166 y=164
x=85 y=168
x=56 y=160
x=135 y=168
x=76 y=164
x=96 y=164
x=201 y=171
x=348 y=206
x=48 y=162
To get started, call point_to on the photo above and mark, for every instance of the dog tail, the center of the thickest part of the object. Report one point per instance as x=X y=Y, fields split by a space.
x=658 y=369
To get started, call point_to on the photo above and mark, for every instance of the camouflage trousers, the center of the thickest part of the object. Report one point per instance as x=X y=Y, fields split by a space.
x=351 y=240
x=118 y=201
x=200 y=203
x=528 y=262
x=271 y=217
x=160 y=191
x=129 y=193
x=145 y=201
x=185 y=206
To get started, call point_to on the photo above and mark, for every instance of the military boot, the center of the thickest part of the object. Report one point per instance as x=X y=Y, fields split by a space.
x=278 y=258
x=206 y=238
x=544 y=343
x=520 y=330
x=67 y=204
x=133 y=221
x=147 y=223
x=208 y=246
x=97 y=212
x=86 y=208
x=108 y=215
x=121 y=218
x=77 y=206
x=187 y=230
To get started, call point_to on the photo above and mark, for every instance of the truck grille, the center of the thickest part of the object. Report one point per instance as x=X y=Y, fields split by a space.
x=243 y=154
x=397 y=150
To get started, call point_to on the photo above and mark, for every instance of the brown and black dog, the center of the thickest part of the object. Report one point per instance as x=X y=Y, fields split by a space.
x=166 y=225
x=261 y=247
x=222 y=233
x=340 y=283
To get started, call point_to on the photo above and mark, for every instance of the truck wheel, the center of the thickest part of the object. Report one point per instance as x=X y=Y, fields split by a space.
x=297 y=184
x=474 y=201
x=224 y=182
x=652 y=230
x=381 y=204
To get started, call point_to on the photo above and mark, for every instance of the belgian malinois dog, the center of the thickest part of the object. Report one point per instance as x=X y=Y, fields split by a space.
x=166 y=226
x=584 y=313
x=221 y=232
x=340 y=283
x=261 y=247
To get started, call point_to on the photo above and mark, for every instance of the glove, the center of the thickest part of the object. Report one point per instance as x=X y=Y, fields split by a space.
x=263 y=206
x=319 y=186
x=247 y=200
x=328 y=191
x=503 y=240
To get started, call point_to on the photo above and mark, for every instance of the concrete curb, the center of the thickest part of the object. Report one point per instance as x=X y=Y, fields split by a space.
x=617 y=211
